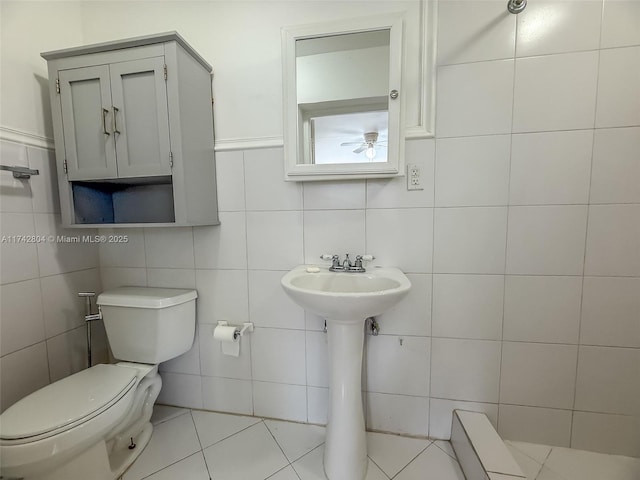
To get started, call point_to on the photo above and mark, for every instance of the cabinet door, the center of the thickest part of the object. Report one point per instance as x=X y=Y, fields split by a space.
x=141 y=119
x=85 y=100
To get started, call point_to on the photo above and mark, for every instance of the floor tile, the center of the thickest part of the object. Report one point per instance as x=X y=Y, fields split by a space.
x=310 y=467
x=529 y=466
x=432 y=463
x=537 y=452
x=213 y=427
x=252 y=454
x=170 y=442
x=296 y=439
x=162 y=413
x=191 y=468
x=446 y=447
x=391 y=452
x=285 y=474
x=547 y=474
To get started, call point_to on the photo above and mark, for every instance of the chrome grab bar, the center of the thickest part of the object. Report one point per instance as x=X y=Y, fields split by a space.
x=20 y=172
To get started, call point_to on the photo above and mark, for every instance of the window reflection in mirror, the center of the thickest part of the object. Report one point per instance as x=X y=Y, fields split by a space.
x=342 y=96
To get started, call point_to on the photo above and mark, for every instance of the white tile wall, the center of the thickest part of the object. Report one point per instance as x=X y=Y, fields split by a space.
x=474 y=98
x=555 y=92
x=42 y=332
x=517 y=190
x=472 y=171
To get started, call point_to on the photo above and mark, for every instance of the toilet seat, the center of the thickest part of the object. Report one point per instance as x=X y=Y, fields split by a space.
x=65 y=404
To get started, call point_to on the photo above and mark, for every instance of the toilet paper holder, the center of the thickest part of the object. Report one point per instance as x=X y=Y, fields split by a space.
x=247 y=327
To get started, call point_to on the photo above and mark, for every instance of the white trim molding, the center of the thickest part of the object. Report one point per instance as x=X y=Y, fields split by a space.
x=25 y=138
x=231 y=144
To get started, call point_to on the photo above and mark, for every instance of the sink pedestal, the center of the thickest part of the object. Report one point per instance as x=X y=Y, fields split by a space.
x=345 y=452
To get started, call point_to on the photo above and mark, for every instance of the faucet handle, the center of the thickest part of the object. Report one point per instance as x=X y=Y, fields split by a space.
x=367 y=258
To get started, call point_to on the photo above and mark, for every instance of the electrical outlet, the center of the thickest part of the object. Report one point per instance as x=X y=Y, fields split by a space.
x=414 y=182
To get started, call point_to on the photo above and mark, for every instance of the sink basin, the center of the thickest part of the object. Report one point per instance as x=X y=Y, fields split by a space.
x=346 y=296
x=345 y=300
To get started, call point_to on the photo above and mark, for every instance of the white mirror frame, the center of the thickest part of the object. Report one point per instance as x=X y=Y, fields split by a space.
x=394 y=166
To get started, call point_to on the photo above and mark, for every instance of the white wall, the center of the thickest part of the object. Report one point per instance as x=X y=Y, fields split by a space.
x=522 y=248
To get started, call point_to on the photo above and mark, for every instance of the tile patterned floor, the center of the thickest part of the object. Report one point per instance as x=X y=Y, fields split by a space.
x=196 y=445
x=542 y=462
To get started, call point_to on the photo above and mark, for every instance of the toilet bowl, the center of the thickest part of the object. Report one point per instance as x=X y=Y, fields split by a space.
x=95 y=423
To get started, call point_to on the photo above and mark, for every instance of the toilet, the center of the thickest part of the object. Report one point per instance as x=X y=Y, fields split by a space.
x=95 y=423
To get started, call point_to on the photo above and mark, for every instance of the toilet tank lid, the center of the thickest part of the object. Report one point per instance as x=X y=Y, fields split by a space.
x=145 y=297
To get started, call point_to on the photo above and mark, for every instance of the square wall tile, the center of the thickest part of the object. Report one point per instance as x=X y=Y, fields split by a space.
x=555 y=92
x=538 y=374
x=67 y=353
x=535 y=425
x=610 y=312
x=334 y=195
x=613 y=237
x=113 y=277
x=333 y=232
x=620 y=19
x=472 y=171
x=616 y=166
x=222 y=295
x=16 y=194
x=474 y=99
x=278 y=355
x=274 y=240
x=619 y=88
x=608 y=380
x=181 y=390
x=317 y=405
x=269 y=305
x=265 y=186
x=468 y=306
x=441 y=412
x=386 y=355
x=558 y=27
x=546 y=240
x=214 y=363
x=126 y=254
x=393 y=193
x=551 y=168
x=277 y=400
x=23 y=372
x=62 y=257
x=19 y=260
x=64 y=309
x=465 y=369
x=542 y=309
x=22 y=315
x=230 y=180
x=169 y=247
x=474 y=31
x=469 y=240
x=401 y=237
x=227 y=395
x=600 y=432
x=44 y=187
x=317 y=356
x=171 y=277
x=397 y=414
x=412 y=315
x=224 y=245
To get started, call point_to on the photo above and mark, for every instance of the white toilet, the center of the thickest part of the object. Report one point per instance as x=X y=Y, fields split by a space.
x=92 y=425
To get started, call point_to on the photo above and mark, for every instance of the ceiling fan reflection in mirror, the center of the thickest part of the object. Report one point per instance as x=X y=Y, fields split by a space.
x=368 y=145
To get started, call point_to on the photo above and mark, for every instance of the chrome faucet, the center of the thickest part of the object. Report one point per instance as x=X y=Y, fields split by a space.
x=346 y=265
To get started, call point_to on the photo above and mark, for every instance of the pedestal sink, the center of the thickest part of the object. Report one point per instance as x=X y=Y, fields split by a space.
x=345 y=300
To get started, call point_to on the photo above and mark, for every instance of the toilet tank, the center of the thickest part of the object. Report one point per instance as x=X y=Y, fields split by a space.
x=149 y=325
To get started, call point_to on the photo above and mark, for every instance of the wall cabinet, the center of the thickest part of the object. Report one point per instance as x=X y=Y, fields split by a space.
x=133 y=127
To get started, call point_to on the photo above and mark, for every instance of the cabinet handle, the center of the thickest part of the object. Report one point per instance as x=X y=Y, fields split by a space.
x=115 y=120
x=104 y=121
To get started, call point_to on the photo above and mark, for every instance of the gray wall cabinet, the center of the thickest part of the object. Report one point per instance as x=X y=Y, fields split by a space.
x=133 y=132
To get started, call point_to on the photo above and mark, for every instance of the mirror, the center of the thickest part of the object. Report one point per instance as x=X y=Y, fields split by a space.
x=342 y=99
